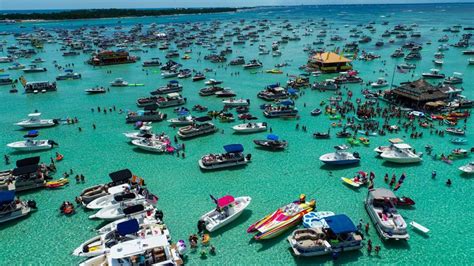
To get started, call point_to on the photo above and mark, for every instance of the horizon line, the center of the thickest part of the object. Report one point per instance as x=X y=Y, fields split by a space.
x=248 y=7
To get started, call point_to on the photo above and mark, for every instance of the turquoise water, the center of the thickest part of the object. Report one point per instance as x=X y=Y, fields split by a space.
x=272 y=179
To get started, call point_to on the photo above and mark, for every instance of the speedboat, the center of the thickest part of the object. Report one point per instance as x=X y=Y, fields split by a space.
x=253 y=64
x=32 y=145
x=401 y=153
x=340 y=156
x=339 y=236
x=118 y=184
x=272 y=142
x=380 y=83
x=208 y=91
x=121 y=210
x=95 y=90
x=227 y=210
x=119 y=82
x=455 y=79
x=149 y=217
x=69 y=74
x=227 y=92
x=144 y=131
x=468 y=168
x=250 y=127
x=380 y=205
x=381 y=149
x=327 y=85
x=34 y=121
x=182 y=120
x=34 y=69
x=113 y=199
x=282 y=219
x=236 y=102
x=12 y=208
x=434 y=74
x=150 y=144
x=233 y=156
x=200 y=127
x=455 y=131
x=213 y=82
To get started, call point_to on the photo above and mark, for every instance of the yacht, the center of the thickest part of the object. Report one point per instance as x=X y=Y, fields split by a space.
x=233 y=156
x=114 y=199
x=381 y=149
x=34 y=121
x=143 y=131
x=12 y=208
x=123 y=209
x=340 y=156
x=150 y=144
x=433 y=74
x=380 y=205
x=236 y=102
x=208 y=91
x=250 y=127
x=273 y=92
x=456 y=78
x=280 y=111
x=227 y=209
x=149 y=114
x=200 y=127
x=181 y=120
x=69 y=74
x=172 y=86
x=339 y=235
x=468 y=168
x=119 y=82
x=171 y=99
x=401 y=153
x=253 y=64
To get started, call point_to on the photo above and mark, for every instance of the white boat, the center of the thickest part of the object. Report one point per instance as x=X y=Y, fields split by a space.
x=144 y=131
x=149 y=217
x=320 y=241
x=119 y=82
x=31 y=145
x=468 y=168
x=12 y=208
x=250 y=127
x=401 y=153
x=113 y=199
x=340 y=156
x=434 y=74
x=91 y=193
x=381 y=149
x=34 y=121
x=456 y=78
x=234 y=156
x=150 y=144
x=181 y=120
x=236 y=102
x=121 y=210
x=419 y=227
x=199 y=128
x=380 y=83
x=171 y=99
x=382 y=211
x=228 y=209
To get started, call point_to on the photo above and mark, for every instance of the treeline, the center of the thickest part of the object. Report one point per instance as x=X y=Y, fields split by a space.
x=111 y=13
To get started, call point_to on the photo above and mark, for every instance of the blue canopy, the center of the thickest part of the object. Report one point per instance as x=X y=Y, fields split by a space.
x=272 y=137
x=128 y=227
x=234 y=148
x=174 y=81
x=287 y=102
x=183 y=112
x=7 y=196
x=340 y=224
x=292 y=91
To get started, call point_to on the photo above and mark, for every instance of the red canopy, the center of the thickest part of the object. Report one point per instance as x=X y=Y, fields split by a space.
x=225 y=201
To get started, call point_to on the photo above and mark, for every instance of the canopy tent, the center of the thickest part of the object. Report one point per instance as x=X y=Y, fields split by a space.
x=7 y=196
x=28 y=161
x=121 y=175
x=128 y=227
x=25 y=170
x=233 y=148
x=225 y=201
x=340 y=224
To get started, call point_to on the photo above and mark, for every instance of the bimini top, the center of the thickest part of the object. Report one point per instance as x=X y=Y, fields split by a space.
x=382 y=193
x=232 y=148
x=121 y=175
x=402 y=146
x=340 y=224
x=28 y=161
x=203 y=119
x=225 y=201
x=272 y=137
x=25 y=170
x=128 y=227
x=151 y=107
x=7 y=196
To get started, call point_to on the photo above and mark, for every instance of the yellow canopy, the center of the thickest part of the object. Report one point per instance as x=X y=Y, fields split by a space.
x=330 y=57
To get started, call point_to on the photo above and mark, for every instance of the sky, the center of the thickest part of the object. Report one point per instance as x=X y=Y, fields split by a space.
x=84 y=4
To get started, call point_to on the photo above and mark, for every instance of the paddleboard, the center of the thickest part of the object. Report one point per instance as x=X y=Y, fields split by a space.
x=419 y=227
x=136 y=85
x=349 y=182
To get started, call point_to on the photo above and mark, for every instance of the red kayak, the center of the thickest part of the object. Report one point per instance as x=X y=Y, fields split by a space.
x=405 y=201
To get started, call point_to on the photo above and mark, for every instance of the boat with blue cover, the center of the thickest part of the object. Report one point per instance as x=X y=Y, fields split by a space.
x=233 y=156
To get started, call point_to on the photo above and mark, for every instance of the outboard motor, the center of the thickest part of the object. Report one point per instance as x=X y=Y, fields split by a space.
x=31 y=204
x=248 y=157
x=159 y=215
x=56 y=121
x=356 y=155
x=201 y=226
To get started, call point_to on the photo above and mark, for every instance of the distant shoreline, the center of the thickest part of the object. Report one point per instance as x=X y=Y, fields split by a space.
x=111 y=13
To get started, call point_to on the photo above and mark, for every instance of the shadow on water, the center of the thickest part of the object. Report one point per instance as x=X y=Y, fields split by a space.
x=344 y=258
x=396 y=244
x=338 y=167
x=260 y=148
x=231 y=168
x=397 y=165
x=241 y=220
x=266 y=244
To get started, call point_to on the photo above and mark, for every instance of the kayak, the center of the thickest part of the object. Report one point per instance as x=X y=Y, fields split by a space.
x=350 y=181
x=282 y=219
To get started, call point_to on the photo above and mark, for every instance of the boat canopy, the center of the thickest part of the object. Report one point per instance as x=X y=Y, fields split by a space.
x=225 y=201
x=272 y=137
x=287 y=102
x=173 y=95
x=121 y=175
x=151 y=107
x=203 y=119
x=133 y=209
x=25 y=170
x=340 y=224
x=173 y=81
x=395 y=140
x=382 y=193
x=292 y=91
x=232 y=148
x=7 y=196
x=28 y=161
x=128 y=227
x=32 y=134
x=402 y=146
x=341 y=147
